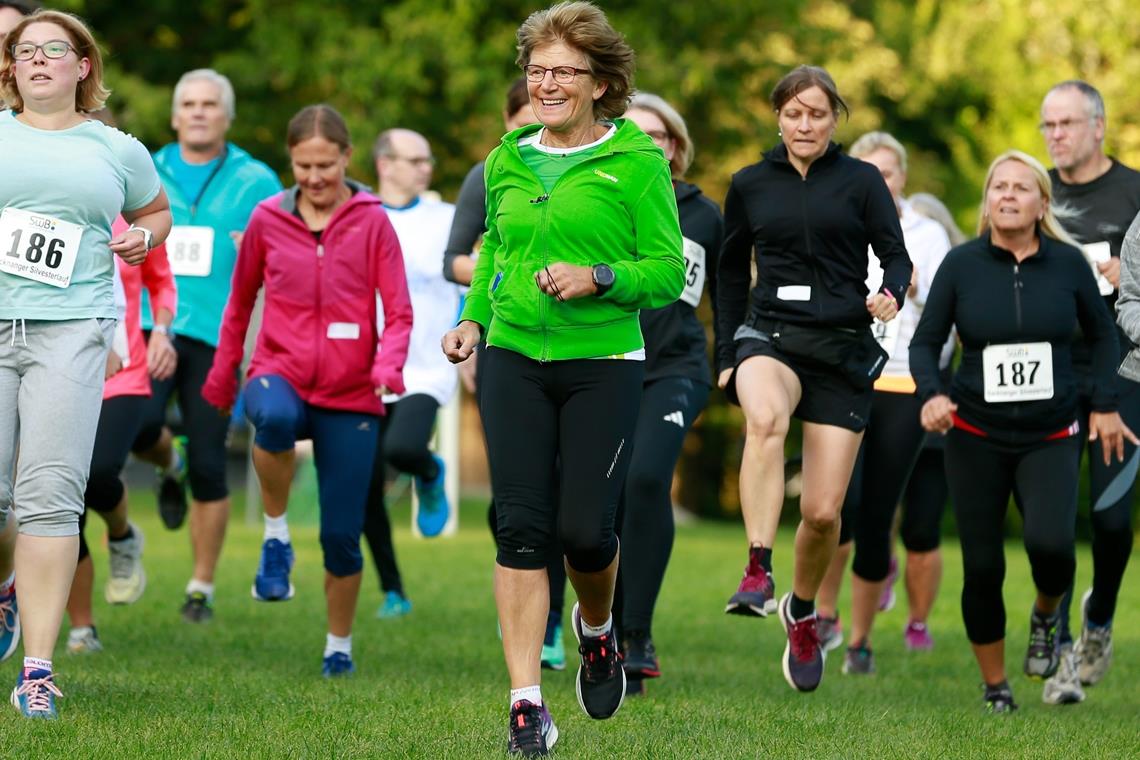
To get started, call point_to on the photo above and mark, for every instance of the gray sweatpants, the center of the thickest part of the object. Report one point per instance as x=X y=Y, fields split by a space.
x=51 y=392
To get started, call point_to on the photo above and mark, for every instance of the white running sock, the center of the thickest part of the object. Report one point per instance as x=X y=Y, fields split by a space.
x=6 y=586
x=197 y=586
x=35 y=663
x=276 y=527
x=532 y=694
x=596 y=632
x=342 y=644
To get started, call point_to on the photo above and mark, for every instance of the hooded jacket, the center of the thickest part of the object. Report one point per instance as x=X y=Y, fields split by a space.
x=318 y=330
x=615 y=208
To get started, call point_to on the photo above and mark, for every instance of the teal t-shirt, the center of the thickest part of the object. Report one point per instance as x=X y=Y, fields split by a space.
x=85 y=175
x=551 y=163
x=192 y=178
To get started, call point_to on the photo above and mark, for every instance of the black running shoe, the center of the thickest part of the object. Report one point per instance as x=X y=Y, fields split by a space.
x=803 y=656
x=171 y=495
x=601 y=678
x=197 y=608
x=999 y=699
x=1043 y=656
x=639 y=657
x=532 y=732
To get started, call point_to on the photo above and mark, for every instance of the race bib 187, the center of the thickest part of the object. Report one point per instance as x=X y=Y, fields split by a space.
x=38 y=247
x=190 y=250
x=1017 y=372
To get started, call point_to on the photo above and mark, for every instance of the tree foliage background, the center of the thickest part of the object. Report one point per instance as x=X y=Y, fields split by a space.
x=958 y=81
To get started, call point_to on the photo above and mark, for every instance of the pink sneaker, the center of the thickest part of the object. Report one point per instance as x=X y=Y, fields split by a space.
x=917 y=637
x=887 y=600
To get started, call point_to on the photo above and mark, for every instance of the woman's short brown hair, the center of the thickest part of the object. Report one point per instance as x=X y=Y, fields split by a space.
x=320 y=120
x=804 y=78
x=584 y=27
x=90 y=94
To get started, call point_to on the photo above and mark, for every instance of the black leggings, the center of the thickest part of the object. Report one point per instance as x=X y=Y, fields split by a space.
x=645 y=515
x=405 y=431
x=119 y=421
x=924 y=500
x=580 y=412
x=891 y=444
x=1043 y=477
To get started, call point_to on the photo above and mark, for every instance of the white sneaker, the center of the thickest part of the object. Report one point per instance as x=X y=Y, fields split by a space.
x=128 y=578
x=1064 y=687
x=83 y=641
x=1094 y=647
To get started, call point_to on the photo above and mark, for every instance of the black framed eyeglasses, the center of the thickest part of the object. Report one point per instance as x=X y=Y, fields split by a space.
x=26 y=51
x=562 y=74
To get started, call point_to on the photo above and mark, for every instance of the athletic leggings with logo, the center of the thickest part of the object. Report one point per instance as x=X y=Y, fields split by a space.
x=645 y=515
x=582 y=412
x=983 y=474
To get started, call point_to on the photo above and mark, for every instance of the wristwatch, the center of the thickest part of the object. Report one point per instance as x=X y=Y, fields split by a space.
x=164 y=330
x=603 y=279
x=147 y=234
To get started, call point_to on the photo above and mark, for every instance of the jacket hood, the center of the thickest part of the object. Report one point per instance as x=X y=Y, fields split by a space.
x=361 y=193
x=685 y=190
x=164 y=155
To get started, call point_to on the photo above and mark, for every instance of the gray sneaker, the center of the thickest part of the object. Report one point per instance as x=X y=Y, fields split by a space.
x=1042 y=657
x=1064 y=688
x=830 y=632
x=859 y=660
x=1094 y=647
x=128 y=578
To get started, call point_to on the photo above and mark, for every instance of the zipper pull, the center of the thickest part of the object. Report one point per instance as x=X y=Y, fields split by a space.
x=320 y=250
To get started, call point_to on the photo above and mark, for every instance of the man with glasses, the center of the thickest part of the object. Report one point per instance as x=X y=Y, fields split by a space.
x=404 y=164
x=213 y=187
x=1105 y=194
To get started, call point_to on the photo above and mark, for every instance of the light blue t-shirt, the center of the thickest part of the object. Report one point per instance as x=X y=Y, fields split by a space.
x=84 y=175
x=192 y=178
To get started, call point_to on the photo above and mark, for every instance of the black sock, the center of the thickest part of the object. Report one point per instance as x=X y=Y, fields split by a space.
x=126 y=536
x=800 y=608
x=763 y=555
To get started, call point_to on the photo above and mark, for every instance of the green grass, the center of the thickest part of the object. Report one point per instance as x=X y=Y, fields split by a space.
x=434 y=685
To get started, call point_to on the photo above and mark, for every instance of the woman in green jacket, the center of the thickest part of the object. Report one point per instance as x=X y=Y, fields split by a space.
x=582 y=233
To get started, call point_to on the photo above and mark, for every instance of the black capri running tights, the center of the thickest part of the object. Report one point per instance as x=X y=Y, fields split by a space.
x=119 y=421
x=582 y=411
x=983 y=474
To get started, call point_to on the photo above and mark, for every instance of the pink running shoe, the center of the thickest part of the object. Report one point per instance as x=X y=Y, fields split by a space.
x=917 y=637
x=756 y=595
x=887 y=600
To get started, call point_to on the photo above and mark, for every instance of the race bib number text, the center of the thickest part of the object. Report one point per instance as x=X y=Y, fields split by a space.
x=1017 y=372
x=38 y=247
x=190 y=250
x=694 y=272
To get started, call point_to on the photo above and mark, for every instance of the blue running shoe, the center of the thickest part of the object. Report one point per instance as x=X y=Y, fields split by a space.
x=338 y=665
x=395 y=605
x=35 y=693
x=553 y=650
x=9 y=624
x=272 y=581
x=433 y=510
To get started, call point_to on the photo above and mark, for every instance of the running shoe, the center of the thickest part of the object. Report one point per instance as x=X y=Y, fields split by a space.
x=172 y=488
x=803 y=657
x=337 y=665
x=197 y=608
x=830 y=632
x=639 y=656
x=35 y=693
x=634 y=688
x=917 y=637
x=395 y=605
x=271 y=584
x=532 y=732
x=433 y=511
x=1043 y=655
x=756 y=595
x=859 y=660
x=999 y=699
x=9 y=624
x=83 y=640
x=601 y=679
x=128 y=578
x=1094 y=647
x=887 y=598
x=1064 y=688
x=553 y=650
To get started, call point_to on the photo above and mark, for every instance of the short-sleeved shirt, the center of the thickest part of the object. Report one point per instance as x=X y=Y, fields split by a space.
x=85 y=175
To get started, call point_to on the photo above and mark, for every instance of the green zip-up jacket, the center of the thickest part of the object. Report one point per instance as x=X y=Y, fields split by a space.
x=616 y=208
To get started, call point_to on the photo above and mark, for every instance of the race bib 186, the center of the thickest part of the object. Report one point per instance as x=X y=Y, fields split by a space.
x=694 y=272
x=1017 y=372
x=38 y=247
x=190 y=250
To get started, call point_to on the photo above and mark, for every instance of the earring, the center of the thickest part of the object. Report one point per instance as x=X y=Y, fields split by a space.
x=780 y=132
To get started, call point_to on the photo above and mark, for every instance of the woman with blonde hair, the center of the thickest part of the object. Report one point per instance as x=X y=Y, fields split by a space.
x=1016 y=295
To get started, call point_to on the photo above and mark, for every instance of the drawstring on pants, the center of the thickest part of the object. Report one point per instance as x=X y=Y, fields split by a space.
x=23 y=332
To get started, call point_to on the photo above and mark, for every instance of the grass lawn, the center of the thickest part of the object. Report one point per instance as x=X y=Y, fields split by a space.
x=433 y=684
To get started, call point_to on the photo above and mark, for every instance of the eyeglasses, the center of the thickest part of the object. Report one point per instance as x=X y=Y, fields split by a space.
x=562 y=74
x=26 y=51
x=419 y=162
x=1065 y=125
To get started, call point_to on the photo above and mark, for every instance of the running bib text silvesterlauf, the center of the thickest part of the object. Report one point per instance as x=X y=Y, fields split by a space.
x=38 y=247
x=1017 y=372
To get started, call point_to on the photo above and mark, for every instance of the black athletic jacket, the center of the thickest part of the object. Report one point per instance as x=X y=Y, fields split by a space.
x=807 y=231
x=675 y=343
x=992 y=299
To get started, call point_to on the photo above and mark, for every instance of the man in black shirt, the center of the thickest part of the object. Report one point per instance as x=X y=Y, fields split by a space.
x=1105 y=196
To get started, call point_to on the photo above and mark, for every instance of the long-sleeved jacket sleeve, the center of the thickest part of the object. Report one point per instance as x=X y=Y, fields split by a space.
x=391 y=281
x=733 y=277
x=1128 y=303
x=932 y=331
x=220 y=388
x=656 y=276
x=159 y=281
x=469 y=220
x=1099 y=331
x=477 y=303
x=886 y=238
x=712 y=264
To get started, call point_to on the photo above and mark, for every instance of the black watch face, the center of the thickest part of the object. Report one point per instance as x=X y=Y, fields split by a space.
x=604 y=276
